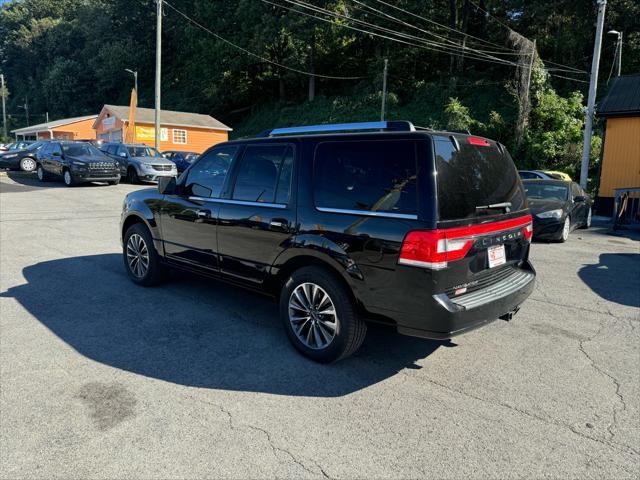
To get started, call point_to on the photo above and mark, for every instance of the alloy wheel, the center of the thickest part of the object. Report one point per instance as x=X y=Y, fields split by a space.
x=313 y=316
x=40 y=173
x=28 y=164
x=589 y=218
x=67 y=178
x=137 y=255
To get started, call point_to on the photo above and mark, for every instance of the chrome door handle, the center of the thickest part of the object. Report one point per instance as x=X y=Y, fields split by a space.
x=203 y=213
x=277 y=224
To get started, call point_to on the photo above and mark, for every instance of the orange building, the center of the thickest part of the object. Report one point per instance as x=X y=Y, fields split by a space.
x=179 y=131
x=77 y=128
x=620 y=168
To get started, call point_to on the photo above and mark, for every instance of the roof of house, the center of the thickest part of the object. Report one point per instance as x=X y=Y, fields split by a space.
x=168 y=117
x=44 y=127
x=623 y=98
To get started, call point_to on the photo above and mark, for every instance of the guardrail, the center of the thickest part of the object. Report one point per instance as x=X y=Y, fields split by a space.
x=626 y=206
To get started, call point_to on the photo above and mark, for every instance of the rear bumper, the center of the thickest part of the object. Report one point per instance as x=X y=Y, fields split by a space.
x=449 y=317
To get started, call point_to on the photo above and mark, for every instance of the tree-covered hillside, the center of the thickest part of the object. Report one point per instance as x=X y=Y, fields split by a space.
x=452 y=63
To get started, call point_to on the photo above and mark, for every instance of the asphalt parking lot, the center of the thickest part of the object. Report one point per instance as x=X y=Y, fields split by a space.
x=194 y=379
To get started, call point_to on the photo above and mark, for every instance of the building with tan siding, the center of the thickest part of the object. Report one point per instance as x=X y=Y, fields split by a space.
x=76 y=128
x=620 y=166
x=179 y=131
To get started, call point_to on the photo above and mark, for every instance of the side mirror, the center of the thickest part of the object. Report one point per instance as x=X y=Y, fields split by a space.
x=579 y=198
x=167 y=185
x=56 y=154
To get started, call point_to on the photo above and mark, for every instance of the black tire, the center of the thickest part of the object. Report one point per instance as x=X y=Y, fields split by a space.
x=350 y=328
x=156 y=272
x=132 y=176
x=42 y=175
x=114 y=182
x=67 y=178
x=28 y=164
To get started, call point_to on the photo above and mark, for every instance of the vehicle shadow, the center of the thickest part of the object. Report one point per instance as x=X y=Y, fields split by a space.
x=616 y=278
x=196 y=332
x=30 y=180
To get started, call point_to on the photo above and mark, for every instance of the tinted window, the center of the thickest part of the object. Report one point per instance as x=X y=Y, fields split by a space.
x=474 y=176
x=78 y=149
x=55 y=148
x=528 y=175
x=46 y=148
x=575 y=190
x=548 y=191
x=206 y=178
x=120 y=150
x=376 y=176
x=261 y=174
x=135 y=151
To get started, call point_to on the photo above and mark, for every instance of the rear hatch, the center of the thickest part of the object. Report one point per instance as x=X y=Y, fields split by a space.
x=483 y=224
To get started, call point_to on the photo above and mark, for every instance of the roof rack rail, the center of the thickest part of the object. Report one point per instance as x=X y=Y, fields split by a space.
x=395 y=126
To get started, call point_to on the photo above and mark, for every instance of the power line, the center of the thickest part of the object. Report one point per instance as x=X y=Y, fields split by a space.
x=381 y=14
x=437 y=48
x=440 y=25
x=255 y=55
x=414 y=38
x=492 y=17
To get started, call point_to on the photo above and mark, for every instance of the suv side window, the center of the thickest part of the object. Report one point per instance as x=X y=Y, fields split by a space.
x=373 y=176
x=575 y=190
x=55 y=149
x=120 y=149
x=206 y=177
x=264 y=174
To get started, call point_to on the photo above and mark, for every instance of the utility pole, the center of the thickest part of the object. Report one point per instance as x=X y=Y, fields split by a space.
x=158 y=68
x=4 y=109
x=593 y=85
x=384 y=90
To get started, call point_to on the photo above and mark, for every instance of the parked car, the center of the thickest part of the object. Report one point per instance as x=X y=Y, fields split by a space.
x=183 y=160
x=346 y=224
x=21 y=145
x=557 y=175
x=534 y=174
x=139 y=162
x=23 y=159
x=74 y=163
x=558 y=207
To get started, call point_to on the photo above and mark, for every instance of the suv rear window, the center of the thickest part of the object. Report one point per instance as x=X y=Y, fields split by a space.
x=474 y=176
x=374 y=176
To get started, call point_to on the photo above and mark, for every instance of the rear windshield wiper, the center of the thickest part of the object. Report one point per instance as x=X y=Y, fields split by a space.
x=504 y=205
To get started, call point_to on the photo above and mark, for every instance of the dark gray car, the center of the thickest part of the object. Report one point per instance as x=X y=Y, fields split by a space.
x=139 y=162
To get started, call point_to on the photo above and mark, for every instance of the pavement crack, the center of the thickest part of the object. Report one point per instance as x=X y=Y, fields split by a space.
x=616 y=383
x=549 y=421
x=274 y=448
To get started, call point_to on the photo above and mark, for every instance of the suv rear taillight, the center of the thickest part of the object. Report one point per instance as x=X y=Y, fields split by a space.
x=435 y=248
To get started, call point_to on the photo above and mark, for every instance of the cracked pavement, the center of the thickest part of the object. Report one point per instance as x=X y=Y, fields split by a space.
x=196 y=379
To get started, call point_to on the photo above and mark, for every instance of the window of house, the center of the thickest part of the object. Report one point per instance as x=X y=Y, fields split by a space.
x=179 y=136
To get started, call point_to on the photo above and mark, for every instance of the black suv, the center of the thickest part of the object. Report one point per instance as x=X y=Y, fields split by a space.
x=74 y=163
x=427 y=231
